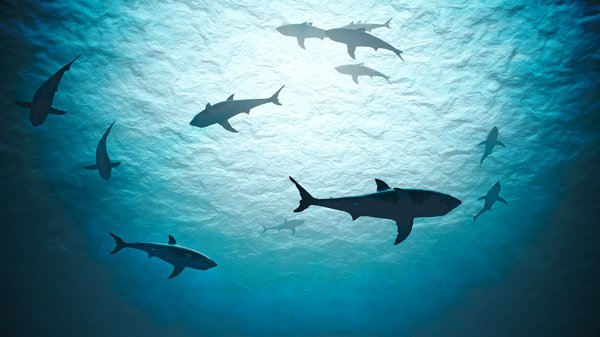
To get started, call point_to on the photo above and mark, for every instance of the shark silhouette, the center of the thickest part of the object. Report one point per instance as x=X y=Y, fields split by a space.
x=287 y=224
x=400 y=205
x=302 y=31
x=41 y=105
x=359 y=38
x=103 y=163
x=221 y=112
x=367 y=27
x=356 y=70
x=490 y=142
x=179 y=257
x=490 y=198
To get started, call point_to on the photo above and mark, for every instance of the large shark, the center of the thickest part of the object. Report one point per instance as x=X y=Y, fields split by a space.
x=490 y=198
x=356 y=70
x=302 y=31
x=222 y=111
x=367 y=27
x=179 y=257
x=359 y=38
x=400 y=205
x=490 y=142
x=41 y=105
x=103 y=163
x=287 y=224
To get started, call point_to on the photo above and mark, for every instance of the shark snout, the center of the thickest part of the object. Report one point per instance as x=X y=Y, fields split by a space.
x=453 y=202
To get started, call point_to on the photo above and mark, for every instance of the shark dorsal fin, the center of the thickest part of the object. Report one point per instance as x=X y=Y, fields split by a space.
x=172 y=240
x=230 y=97
x=310 y=23
x=351 y=22
x=208 y=106
x=361 y=64
x=381 y=185
x=305 y=23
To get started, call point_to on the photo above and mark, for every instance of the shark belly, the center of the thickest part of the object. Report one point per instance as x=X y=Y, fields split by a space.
x=364 y=206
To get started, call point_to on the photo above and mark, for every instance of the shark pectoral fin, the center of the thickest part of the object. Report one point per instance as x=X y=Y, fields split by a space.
x=56 y=111
x=227 y=126
x=499 y=143
x=404 y=228
x=481 y=198
x=115 y=163
x=502 y=200
x=24 y=104
x=381 y=185
x=91 y=167
x=355 y=78
x=300 y=42
x=351 y=50
x=176 y=271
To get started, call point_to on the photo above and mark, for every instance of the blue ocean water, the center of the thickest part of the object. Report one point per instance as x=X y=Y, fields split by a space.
x=528 y=68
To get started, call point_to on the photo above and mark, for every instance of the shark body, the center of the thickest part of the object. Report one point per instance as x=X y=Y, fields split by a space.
x=399 y=205
x=221 y=112
x=287 y=224
x=179 y=257
x=490 y=198
x=103 y=163
x=41 y=105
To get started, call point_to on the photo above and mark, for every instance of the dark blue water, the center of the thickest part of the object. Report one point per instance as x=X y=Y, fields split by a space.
x=526 y=268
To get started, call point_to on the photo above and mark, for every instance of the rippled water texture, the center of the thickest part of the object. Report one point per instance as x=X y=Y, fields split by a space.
x=523 y=269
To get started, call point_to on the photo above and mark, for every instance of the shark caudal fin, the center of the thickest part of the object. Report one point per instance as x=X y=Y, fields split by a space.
x=399 y=53
x=120 y=244
x=264 y=228
x=275 y=97
x=387 y=23
x=305 y=198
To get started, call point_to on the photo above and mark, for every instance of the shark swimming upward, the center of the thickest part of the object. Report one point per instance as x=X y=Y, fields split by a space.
x=179 y=257
x=221 y=112
x=490 y=142
x=41 y=105
x=359 y=38
x=490 y=198
x=287 y=224
x=400 y=205
x=302 y=31
x=103 y=163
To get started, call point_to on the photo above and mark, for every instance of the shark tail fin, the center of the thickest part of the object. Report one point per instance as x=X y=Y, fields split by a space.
x=275 y=97
x=387 y=23
x=120 y=244
x=399 y=53
x=264 y=228
x=305 y=198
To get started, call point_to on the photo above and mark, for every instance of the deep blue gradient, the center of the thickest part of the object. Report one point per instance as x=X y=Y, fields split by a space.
x=523 y=269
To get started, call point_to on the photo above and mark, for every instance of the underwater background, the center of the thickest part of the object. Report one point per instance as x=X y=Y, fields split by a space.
x=526 y=268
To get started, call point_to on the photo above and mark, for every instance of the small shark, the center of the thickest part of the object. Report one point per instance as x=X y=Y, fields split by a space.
x=359 y=38
x=367 y=27
x=490 y=198
x=490 y=142
x=179 y=257
x=287 y=224
x=360 y=69
x=41 y=105
x=302 y=31
x=103 y=163
x=222 y=111
x=400 y=205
